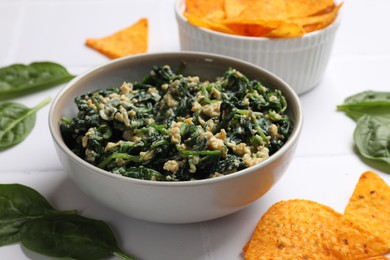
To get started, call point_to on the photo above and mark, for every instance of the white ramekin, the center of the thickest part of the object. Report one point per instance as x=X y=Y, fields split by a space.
x=300 y=61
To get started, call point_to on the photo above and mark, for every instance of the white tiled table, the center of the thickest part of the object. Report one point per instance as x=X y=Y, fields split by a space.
x=325 y=168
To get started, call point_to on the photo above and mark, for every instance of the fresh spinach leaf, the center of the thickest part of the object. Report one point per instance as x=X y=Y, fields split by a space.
x=19 y=79
x=27 y=217
x=372 y=137
x=16 y=122
x=71 y=236
x=19 y=204
x=367 y=102
x=371 y=111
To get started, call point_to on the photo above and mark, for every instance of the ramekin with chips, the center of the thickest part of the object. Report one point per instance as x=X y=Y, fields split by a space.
x=297 y=54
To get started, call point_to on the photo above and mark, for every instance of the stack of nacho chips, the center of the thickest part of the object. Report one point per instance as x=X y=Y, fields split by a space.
x=262 y=18
x=303 y=229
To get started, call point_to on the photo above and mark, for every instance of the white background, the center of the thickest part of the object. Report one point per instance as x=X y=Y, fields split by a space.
x=325 y=168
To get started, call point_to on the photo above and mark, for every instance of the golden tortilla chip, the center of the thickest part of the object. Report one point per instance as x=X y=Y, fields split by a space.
x=252 y=30
x=381 y=257
x=254 y=10
x=302 y=229
x=207 y=10
x=219 y=27
x=286 y=30
x=369 y=205
x=262 y=18
x=317 y=22
x=207 y=14
x=306 y=8
x=129 y=41
x=234 y=7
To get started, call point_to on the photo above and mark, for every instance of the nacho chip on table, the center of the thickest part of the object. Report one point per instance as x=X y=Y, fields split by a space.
x=129 y=41
x=302 y=229
x=369 y=205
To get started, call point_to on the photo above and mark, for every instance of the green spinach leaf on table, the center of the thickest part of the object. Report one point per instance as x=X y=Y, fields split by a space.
x=19 y=204
x=19 y=79
x=27 y=217
x=372 y=137
x=367 y=102
x=371 y=111
x=71 y=236
x=16 y=122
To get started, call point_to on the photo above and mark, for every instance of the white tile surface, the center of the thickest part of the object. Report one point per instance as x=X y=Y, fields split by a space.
x=325 y=168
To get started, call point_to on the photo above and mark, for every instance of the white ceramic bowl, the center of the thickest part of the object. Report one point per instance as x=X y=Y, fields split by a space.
x=171 y=202
x=301 y=61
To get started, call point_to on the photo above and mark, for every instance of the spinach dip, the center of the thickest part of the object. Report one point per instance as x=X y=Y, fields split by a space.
x=170 y=127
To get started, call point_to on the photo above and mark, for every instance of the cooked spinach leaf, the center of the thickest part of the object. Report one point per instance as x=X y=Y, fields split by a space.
x=27 y=217
x=142 y=173
x=19 y=79
x=16 y=122
x=172 y=127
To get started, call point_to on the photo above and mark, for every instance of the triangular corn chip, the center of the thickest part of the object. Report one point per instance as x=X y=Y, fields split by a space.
x=302 y=229
x=306 y=8
x=207 y=10
x=129 y=41
x=369 y=205
x=317 y=22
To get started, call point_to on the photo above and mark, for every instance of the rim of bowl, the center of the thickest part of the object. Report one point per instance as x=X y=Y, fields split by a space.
x=56 y=133
x=179 y=15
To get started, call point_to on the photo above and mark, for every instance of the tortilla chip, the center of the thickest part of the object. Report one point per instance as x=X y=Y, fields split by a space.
x=252 y=30
x=369 y=205
x=129 y=41
x=207 y=10
x=302 y=229
x=286 y=30
x=246 y=246
x=234 y=7
x=262 y=18
x=256 y=10
x=306 y=8
x=219 y=27
x=207 y=14
x=317 y=22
